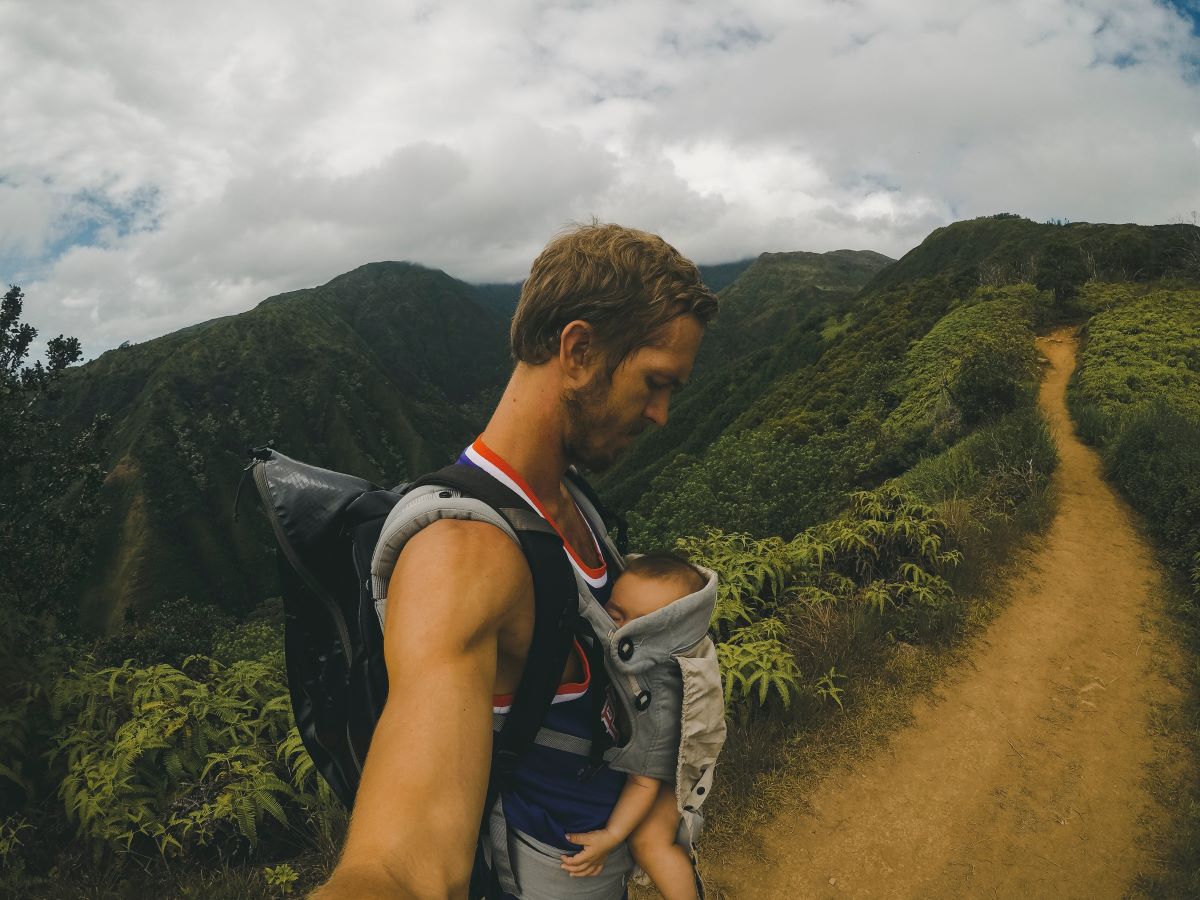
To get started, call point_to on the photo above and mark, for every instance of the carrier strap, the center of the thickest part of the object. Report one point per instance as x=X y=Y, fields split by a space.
x=555 y=740
x=555 y=597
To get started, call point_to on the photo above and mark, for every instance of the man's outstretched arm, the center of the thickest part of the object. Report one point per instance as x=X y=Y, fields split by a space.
x=456 y=588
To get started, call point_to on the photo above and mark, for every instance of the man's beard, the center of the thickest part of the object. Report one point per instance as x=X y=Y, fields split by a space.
x=589 y=417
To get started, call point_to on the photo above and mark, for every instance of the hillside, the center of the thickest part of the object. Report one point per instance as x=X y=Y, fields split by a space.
x=860 y=407
x=805 y=389
x=778 y=315
x=384 y=371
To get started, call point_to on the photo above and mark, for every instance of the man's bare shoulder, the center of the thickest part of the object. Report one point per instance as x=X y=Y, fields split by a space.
x=482 y=544
x=472 y=564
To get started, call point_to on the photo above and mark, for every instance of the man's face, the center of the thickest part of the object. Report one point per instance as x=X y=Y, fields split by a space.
x=606 y=415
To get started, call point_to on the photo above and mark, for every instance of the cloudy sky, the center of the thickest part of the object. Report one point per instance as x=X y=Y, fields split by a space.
x=164 y=162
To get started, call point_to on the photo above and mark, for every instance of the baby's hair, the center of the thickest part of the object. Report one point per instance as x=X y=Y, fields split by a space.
x=666 y=564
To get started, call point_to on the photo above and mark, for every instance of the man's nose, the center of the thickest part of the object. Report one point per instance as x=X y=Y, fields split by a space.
x=656 y=410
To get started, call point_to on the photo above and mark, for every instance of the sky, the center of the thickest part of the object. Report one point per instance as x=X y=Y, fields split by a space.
x=163 y=163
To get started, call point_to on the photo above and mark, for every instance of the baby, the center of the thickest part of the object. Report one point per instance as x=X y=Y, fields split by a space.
x=645 y=812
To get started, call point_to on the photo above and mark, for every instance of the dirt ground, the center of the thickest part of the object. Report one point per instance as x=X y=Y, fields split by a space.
x=1028 y=775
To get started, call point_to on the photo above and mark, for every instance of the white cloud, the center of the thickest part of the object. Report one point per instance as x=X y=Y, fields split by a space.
x=205 y=156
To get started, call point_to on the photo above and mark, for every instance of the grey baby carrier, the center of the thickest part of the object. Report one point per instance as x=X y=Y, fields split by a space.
x=662 y=669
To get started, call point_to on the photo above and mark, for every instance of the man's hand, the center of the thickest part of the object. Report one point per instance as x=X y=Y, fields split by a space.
x=590 y=860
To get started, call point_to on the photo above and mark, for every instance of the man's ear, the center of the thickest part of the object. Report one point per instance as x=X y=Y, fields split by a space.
x=577 y=351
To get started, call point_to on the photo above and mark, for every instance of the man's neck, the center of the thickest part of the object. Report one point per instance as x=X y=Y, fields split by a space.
x=526 y=432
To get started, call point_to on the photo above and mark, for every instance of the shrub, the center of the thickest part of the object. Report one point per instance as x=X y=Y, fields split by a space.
x=168 y=633
x=179 y=759
x=883 y=556
x=1155 y=458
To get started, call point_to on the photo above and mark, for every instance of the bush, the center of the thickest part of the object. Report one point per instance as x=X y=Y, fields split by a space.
x=1155 y=458
x=259 y=638
x=986 y=477
x=1092 y=426
x=173 y=760
x=169 y=633
x=883 y=556
x=1137 y=394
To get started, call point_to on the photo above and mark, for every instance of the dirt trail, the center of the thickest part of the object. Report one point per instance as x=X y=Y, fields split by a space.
x=1027 y=776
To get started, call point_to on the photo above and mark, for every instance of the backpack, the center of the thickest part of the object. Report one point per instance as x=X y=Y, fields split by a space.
x=327 y=525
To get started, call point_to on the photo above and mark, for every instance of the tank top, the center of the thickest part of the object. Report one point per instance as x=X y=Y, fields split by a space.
x=553 y=792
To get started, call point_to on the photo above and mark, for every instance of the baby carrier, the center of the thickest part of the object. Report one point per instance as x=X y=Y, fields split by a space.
x=662 y=669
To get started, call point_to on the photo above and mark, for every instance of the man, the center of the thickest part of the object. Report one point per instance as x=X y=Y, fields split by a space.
x=607 y=329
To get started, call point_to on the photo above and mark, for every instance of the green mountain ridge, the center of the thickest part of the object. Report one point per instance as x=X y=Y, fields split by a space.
x=384 y=371
x=827 y=427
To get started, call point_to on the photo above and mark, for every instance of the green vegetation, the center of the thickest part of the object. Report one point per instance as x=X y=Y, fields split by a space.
x=883 y=556
x=1136 y=394
x=170 y=761
x=385 y=372
x=857 y=416
x=779 y=315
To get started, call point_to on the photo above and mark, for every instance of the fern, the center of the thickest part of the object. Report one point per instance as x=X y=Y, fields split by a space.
x=755 y=664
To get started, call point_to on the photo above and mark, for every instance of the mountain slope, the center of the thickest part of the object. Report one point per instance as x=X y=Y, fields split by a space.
x=826 y=426
x=777 y=315
x=383 y=372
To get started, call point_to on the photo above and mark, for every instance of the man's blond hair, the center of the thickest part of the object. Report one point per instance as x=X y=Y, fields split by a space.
x=627 y=284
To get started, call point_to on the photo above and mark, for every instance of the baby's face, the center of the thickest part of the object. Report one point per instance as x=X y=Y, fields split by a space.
x=634 y=596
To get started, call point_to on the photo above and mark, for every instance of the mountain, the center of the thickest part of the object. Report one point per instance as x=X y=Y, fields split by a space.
x=1007 y=249
x=876 y=390
x=823 y=373
x=777 y=315
x=385 y=371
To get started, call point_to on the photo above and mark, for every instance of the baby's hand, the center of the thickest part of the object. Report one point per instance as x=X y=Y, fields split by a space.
x=590 y=860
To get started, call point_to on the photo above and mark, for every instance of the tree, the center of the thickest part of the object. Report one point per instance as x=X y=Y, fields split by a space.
x=1061 y=268
x=49 y=479
x=49 y=499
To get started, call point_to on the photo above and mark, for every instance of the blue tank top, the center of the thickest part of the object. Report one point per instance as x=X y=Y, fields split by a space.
x=553 y=792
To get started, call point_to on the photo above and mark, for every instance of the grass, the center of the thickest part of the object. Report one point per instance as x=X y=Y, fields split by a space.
x=1172 y=780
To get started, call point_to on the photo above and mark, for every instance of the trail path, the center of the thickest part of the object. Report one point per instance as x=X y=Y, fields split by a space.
x=1027 y=776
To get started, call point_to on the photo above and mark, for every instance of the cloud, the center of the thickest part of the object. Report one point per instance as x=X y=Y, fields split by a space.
x=165 y=164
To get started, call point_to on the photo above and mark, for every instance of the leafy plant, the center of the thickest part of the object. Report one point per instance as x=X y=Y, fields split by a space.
x=752 y=573
x=827 y=688
x=755 y=663
x=11 y=830
x=281 y=877
x=176 y=759
x=884 y=553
